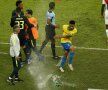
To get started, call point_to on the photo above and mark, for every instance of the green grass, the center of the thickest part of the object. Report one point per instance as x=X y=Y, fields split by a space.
x=90 y=65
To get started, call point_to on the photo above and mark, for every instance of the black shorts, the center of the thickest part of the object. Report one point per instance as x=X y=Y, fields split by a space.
x=50 y=31
x=31 y=43
x=22 y=41
x=22 y=38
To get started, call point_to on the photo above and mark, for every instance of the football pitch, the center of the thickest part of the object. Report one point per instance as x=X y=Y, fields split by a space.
x=91 y=56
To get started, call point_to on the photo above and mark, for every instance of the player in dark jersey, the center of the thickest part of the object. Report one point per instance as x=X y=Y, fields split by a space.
x=19 y=6
x=21 y=20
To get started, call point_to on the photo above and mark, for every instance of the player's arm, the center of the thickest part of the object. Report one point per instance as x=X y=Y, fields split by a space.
x=49 y=23
x=28 y=23
x=12 y=23
x=68 y=35
x=74 y=31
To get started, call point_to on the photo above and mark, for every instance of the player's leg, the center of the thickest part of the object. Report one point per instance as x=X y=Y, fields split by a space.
x=63 y=61
x=51 y=31
x=34 y=48
x=66 y=51
x=26 y=48
x=106 y=23
x=71 y=55
x=28 y=51
x=18 y=66
x=10 y=78
x=22 y=44
x=44 y=43
x=33 y=45
x=53 y=49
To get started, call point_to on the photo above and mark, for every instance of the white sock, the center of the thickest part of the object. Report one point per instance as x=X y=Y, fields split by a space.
x=107 y=32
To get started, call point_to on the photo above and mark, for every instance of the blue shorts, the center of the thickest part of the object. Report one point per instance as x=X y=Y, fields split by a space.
x=66 y=46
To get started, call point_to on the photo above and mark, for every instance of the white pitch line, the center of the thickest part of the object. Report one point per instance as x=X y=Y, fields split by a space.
x=4 y=43
x=95 y=89
x=3 y=53
x=97 y=49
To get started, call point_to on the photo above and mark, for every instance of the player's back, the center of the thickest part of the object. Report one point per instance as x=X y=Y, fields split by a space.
x=34 y=30
x=21 y=20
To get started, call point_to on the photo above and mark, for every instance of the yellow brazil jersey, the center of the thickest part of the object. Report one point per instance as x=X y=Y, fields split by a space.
x=67 y=32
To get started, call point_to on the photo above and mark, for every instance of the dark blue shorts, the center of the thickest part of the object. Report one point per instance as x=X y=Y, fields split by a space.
x=66 y=46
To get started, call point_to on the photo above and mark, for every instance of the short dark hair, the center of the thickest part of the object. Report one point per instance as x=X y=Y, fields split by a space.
x=18 y=2
x=29 y=11
x=71 y=22
x=52 y=5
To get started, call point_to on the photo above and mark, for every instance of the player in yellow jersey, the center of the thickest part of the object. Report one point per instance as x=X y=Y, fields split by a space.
x=66 y=38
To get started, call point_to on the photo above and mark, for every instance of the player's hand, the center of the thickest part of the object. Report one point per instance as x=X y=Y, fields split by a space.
x=17 y=58
x=57 y=26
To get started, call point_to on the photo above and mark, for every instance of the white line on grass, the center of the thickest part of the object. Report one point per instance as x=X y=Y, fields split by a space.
x=4 y=43
x=3 y=53
x=95 y=89
x=97 y=49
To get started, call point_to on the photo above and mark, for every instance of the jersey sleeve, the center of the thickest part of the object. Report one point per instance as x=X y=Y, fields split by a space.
x=103 y=2
x=49 y=15
x=64 y=28
x=74 y=31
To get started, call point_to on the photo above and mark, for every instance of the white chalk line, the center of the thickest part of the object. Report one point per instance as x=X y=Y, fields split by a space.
x=3 y=53
x=95 y=89
x=97 y=49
